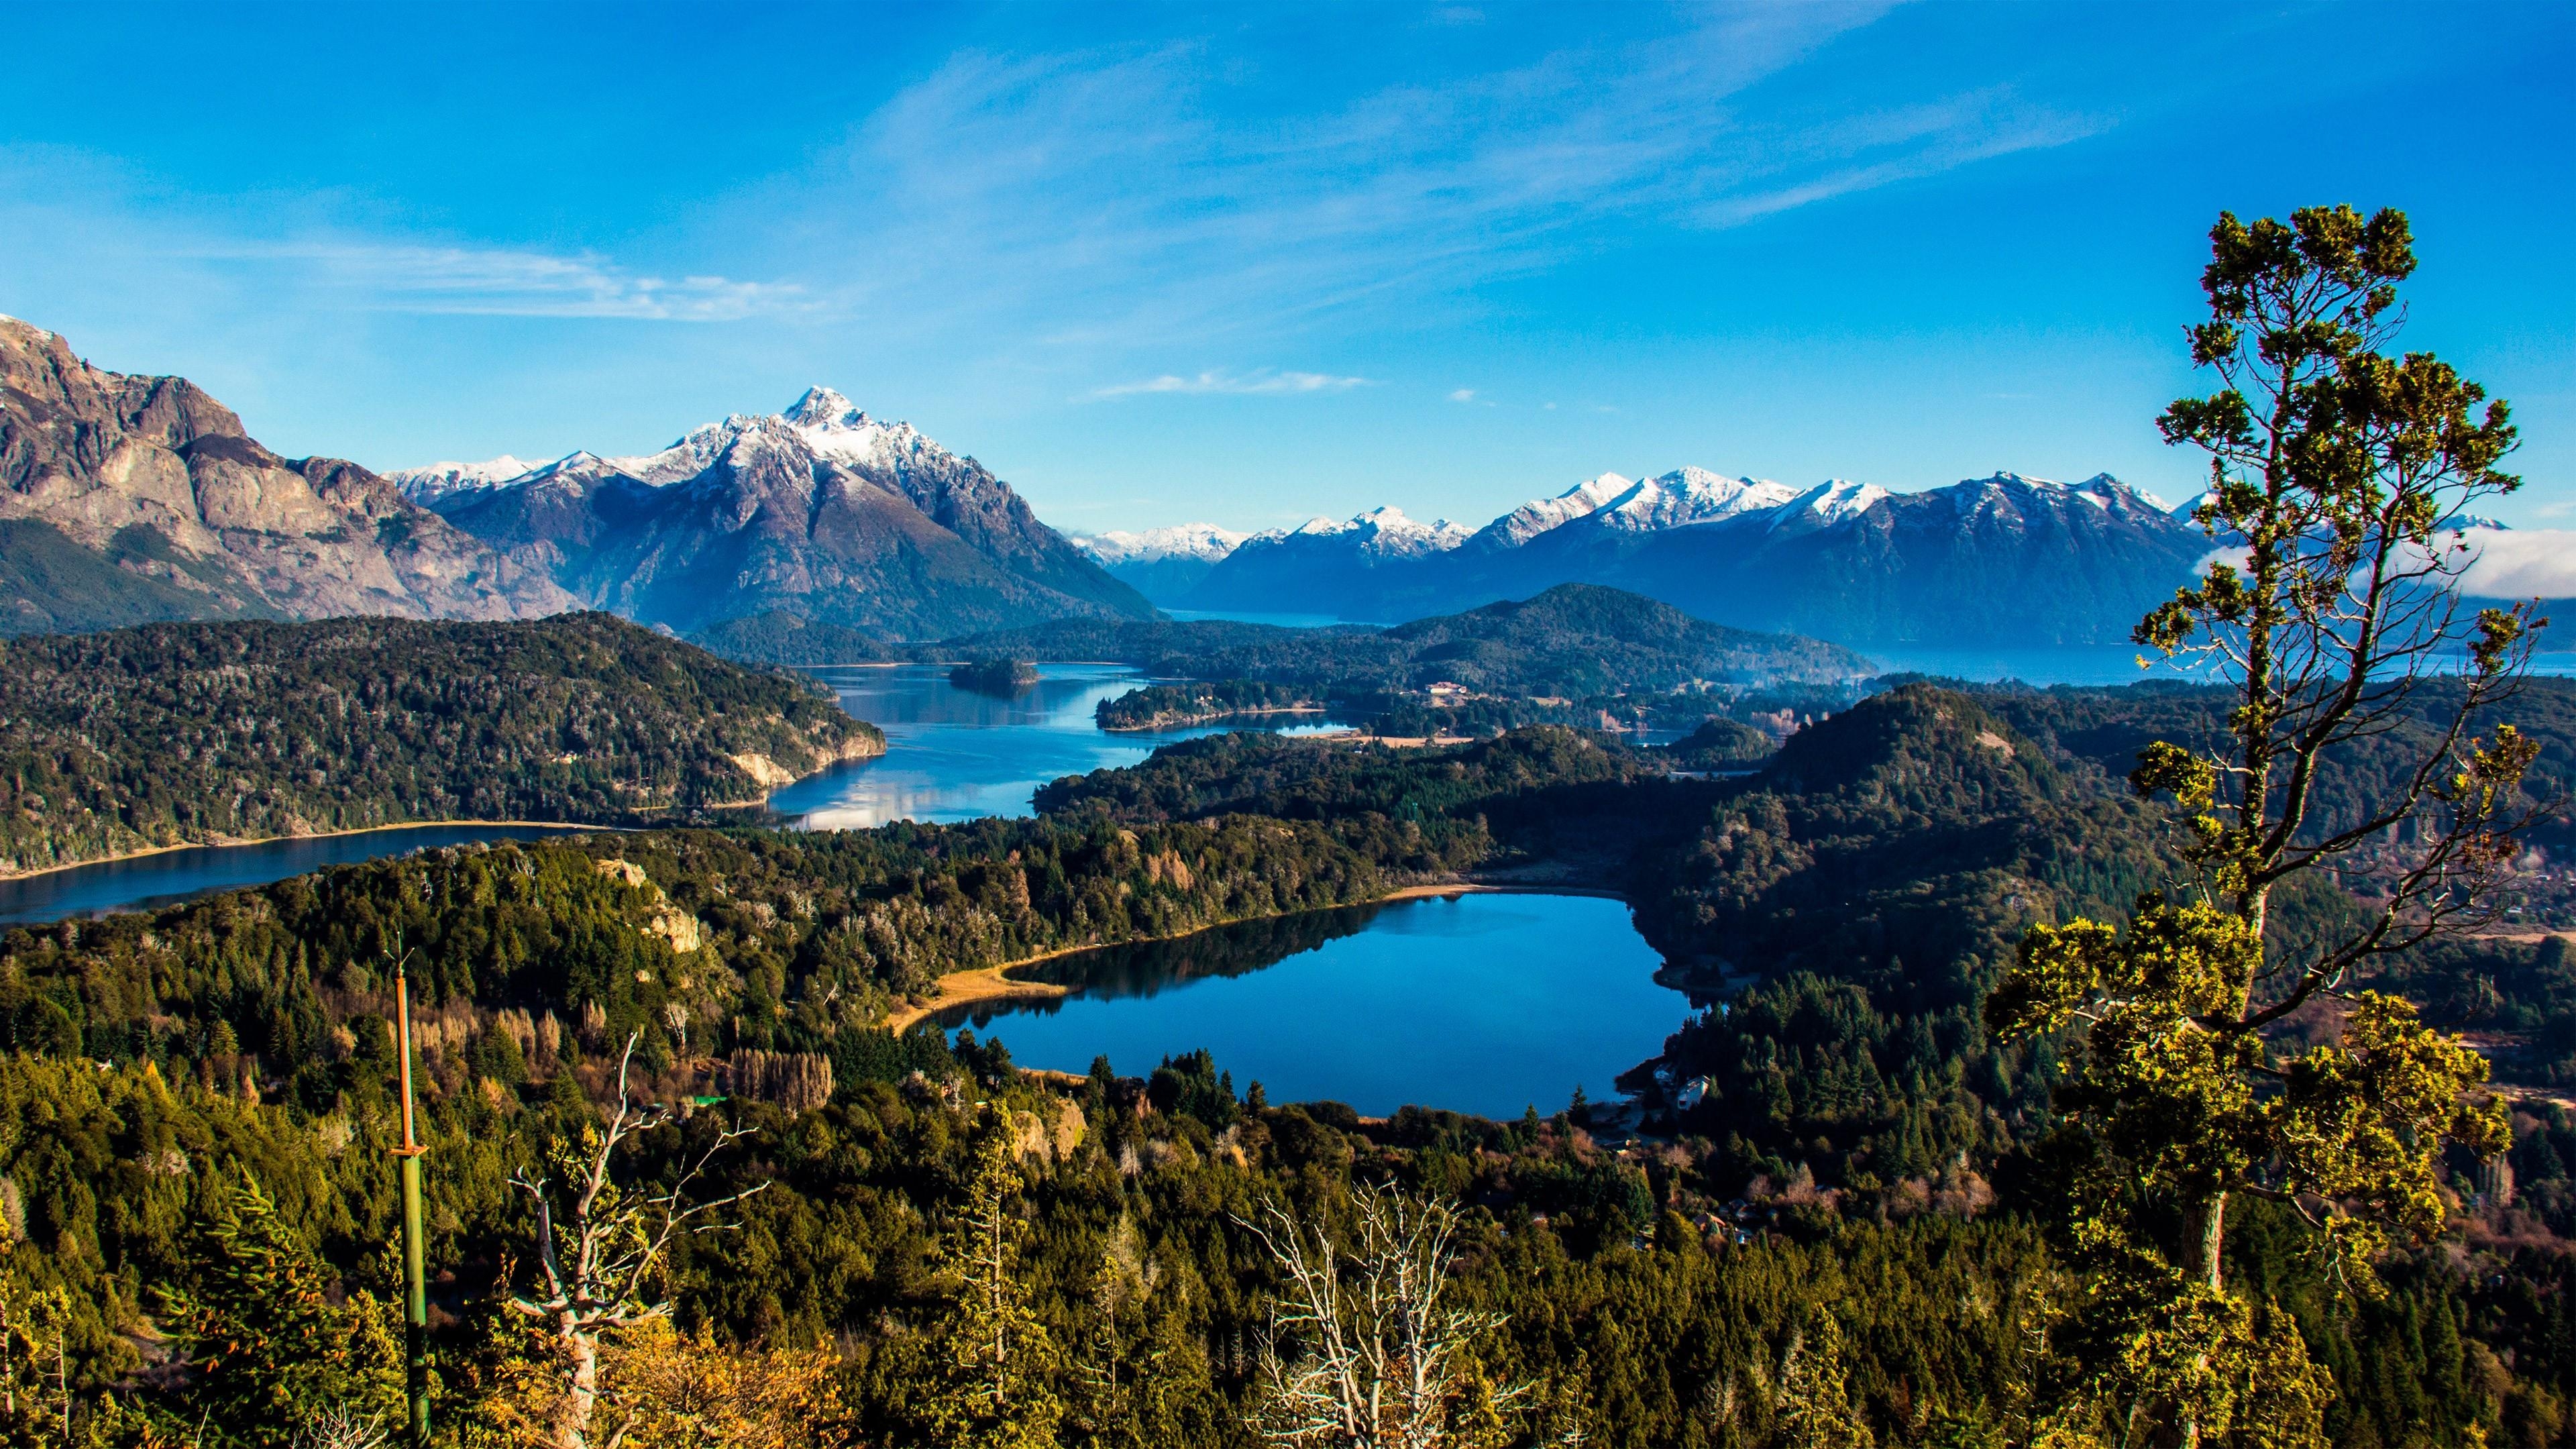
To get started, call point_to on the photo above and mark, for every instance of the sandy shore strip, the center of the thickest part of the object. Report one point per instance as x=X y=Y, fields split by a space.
x=994 y=983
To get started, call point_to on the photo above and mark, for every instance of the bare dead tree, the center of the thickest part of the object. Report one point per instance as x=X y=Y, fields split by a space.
x=338 y=1427
x=1365 y=1351
x=603 y=1255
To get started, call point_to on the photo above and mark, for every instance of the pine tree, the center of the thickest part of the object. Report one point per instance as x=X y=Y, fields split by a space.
x=272 y=1354
x=1814 y=1407
x=994 y=1359
x=2333 y=614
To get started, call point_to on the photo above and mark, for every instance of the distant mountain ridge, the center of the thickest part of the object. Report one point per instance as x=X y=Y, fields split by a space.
x=129 y=500
x=2000 y=560
x=1164 y=563
x=821 y=509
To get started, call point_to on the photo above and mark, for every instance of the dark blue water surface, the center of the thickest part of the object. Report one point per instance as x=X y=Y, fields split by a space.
x=178 y=875
x=1484 y=1003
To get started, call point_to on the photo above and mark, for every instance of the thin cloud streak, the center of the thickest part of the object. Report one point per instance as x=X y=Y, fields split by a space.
x=1258 y=384
x=1109 y=199
x=503 y=282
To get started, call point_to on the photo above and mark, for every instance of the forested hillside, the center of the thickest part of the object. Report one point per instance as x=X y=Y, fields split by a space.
x=193 y=733
x=1575 y=639
x=1840 y=1226
x=782 y=636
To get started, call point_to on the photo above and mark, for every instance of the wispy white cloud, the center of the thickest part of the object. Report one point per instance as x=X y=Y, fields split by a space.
x=1464 y=394
x=1254 y=384
x=505 y=282
x=1136 y=196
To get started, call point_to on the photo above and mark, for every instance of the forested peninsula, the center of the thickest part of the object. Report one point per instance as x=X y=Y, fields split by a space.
x=187 y=734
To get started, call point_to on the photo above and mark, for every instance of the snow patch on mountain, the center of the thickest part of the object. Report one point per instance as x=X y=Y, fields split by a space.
x=1380 y=533
x=1202 y=541
x=437 y=480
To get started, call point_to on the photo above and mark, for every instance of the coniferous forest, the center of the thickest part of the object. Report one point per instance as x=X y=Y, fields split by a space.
x=174 y=734
x=2166 y=1065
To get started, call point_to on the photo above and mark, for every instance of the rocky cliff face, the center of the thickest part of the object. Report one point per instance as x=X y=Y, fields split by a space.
x=819 y=510
x=128 y=499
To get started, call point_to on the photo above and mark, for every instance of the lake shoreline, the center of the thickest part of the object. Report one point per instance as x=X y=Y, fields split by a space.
x=759 y=803
x=151 y=851
x=994 y=983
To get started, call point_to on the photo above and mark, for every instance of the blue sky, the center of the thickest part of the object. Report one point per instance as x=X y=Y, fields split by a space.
x=1249 y=264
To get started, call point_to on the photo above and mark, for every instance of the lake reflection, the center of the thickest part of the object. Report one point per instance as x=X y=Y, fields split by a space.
x=954 y=754
x=1485 y=1003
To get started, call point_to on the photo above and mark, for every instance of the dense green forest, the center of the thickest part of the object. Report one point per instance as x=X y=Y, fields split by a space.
x=191 y=733
x=1563 y=657
x=1840 y=1225
x=1175 y=706
x=782 y=636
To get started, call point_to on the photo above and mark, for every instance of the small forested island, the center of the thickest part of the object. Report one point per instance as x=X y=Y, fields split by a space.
x=1177 y=706
x=192 y=734
x=995 y=676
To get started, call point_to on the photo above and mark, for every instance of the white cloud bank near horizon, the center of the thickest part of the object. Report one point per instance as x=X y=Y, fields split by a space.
x=2536 y=563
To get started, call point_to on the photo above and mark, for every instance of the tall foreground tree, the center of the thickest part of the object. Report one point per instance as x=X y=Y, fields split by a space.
x=994 y=1360
x=604 y=1250
x=2334 y=614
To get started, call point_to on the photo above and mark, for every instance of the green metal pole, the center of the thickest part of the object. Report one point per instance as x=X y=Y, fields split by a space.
x=415 y=1249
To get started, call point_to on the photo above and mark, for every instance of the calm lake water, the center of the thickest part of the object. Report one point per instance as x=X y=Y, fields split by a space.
x=954 y=754
x=178 y=875
x=1484 y=1003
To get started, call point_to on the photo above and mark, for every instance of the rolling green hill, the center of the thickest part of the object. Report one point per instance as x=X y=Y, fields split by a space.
x=175 y=734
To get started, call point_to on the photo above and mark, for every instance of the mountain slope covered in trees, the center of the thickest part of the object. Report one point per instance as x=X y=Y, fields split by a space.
x=1575 y=639
x=177 y=734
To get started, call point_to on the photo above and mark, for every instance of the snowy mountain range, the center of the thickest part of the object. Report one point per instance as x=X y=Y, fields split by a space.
x=820 y=509
x=1161 y=563
x=1847 y=561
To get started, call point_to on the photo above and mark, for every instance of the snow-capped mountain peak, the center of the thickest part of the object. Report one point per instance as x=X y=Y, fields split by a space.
x=821 y=407
x=1381 y=533
x=437 y=480
x=1204 y=541
x=1828 y=503
x=1541 y=514
x=1687 y=496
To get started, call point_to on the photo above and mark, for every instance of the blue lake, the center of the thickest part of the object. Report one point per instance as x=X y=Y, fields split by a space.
x=177 y=875
x=1484 y=1003
x=955 y=754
